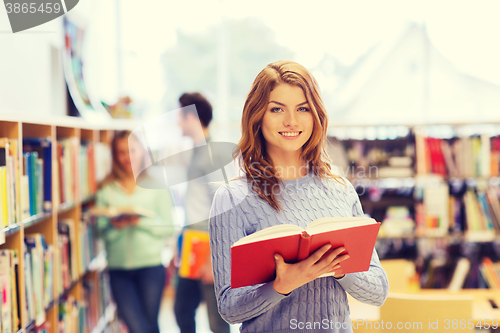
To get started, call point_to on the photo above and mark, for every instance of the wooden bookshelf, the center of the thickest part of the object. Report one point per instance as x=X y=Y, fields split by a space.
x=462 y=171
x=17 y=127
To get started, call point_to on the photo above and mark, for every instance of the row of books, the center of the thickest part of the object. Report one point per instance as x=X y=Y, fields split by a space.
x=40 y=269
x=72 y=317
x=490 y=272
x=476 y=156
x=458 y=157
x=475 y=211
x=26 y=187
x=97 y=306
x=39 y=277
x=379 y=158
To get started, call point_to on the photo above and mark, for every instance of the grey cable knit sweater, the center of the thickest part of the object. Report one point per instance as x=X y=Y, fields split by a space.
x=319 y=306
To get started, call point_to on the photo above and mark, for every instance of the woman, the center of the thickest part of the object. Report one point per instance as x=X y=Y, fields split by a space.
x=287 y=179
x=134 y=244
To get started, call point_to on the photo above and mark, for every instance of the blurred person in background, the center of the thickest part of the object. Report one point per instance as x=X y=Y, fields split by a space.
x=198 y=201
x=134 y=243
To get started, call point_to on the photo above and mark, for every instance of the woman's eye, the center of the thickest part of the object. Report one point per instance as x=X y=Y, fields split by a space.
x=275 y=109
x=302 y=109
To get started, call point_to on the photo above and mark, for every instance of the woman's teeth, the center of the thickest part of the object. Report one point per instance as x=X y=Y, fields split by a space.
x=289 y=133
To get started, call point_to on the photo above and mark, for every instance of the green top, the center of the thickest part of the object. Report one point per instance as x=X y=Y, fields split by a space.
x=135 y=246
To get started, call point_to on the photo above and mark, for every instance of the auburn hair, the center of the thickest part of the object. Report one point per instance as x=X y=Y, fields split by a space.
x=256 y=165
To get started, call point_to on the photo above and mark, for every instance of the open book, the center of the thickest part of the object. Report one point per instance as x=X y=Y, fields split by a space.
x=252 y=257
x=117 y=212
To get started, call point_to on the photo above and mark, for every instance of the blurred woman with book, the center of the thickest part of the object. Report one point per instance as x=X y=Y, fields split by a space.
x=134 y=243
x=287 y=178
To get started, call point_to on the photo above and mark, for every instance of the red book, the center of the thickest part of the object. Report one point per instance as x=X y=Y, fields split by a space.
x=252 y=257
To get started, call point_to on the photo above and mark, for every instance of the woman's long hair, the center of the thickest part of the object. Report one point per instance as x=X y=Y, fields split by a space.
x=117 y=173
x=255 y=162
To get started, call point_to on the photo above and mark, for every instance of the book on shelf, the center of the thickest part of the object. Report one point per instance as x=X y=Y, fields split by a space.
x=459 y=274
x=41 y=255
x=67 y=162
x=252 y=257
x=29 y=312
x=102 y=161
x=90 y=245
x=195 y=252
x=397 y=222
x=9 y=182
x=43 y=147
x=10 y=295
x=66 y=230
x=88 y=184
x=490 y=272
x=119 y=211
x=70 y=319
x=432 y=215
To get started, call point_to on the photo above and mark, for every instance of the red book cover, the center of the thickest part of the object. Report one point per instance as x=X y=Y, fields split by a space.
x=437 y=158
x=252 y=260
x=440 y=162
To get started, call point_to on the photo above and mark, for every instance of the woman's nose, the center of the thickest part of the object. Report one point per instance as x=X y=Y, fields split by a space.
x=290 y=119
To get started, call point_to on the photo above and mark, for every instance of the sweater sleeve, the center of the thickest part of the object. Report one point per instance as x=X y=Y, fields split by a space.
x=226 y=226
x=105 y=229
x=372 y=286
x=162 y=225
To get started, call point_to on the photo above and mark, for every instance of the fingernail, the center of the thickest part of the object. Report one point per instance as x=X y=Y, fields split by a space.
x=276 y=257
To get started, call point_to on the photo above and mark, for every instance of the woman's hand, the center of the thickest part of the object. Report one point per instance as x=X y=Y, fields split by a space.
x=124 y=221
x=292 y=276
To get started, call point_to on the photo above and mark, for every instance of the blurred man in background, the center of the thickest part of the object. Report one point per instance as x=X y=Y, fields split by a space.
x=198 y=201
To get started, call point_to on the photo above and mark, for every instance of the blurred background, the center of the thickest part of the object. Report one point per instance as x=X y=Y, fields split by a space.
x=412 y=89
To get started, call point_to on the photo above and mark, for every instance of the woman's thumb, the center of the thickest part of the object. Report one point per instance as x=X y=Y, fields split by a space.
x=278 y=258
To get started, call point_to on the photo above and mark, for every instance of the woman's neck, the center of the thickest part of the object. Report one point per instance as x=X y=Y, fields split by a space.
x=289 y=166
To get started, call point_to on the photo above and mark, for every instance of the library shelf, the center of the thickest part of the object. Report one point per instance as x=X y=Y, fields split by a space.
x=25 y=132
x=12 y=229
x=446 y=202
x=66 y=206
x=35 y=219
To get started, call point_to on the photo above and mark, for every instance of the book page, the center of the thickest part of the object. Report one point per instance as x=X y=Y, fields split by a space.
x=276 y=231
x=337 y=223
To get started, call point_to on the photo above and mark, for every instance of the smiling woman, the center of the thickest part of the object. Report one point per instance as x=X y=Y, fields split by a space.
x=287 y=180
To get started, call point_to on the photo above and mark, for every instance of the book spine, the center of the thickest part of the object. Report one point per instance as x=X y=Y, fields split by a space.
x=304 y=246
x=47 y=178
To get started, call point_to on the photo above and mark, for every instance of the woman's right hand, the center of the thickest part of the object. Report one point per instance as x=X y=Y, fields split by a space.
x=291 y=276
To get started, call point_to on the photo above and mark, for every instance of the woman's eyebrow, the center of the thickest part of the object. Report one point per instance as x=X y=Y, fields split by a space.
x=285 y=105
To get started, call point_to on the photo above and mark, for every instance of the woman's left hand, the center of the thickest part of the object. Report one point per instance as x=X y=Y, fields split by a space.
x=292 y=276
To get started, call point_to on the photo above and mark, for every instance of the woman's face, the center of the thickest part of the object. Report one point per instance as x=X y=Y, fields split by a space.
x=288 y=121
x=129 y=157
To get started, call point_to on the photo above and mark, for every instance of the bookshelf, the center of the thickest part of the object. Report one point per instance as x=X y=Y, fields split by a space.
x=71 y=305
x=444 y=179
